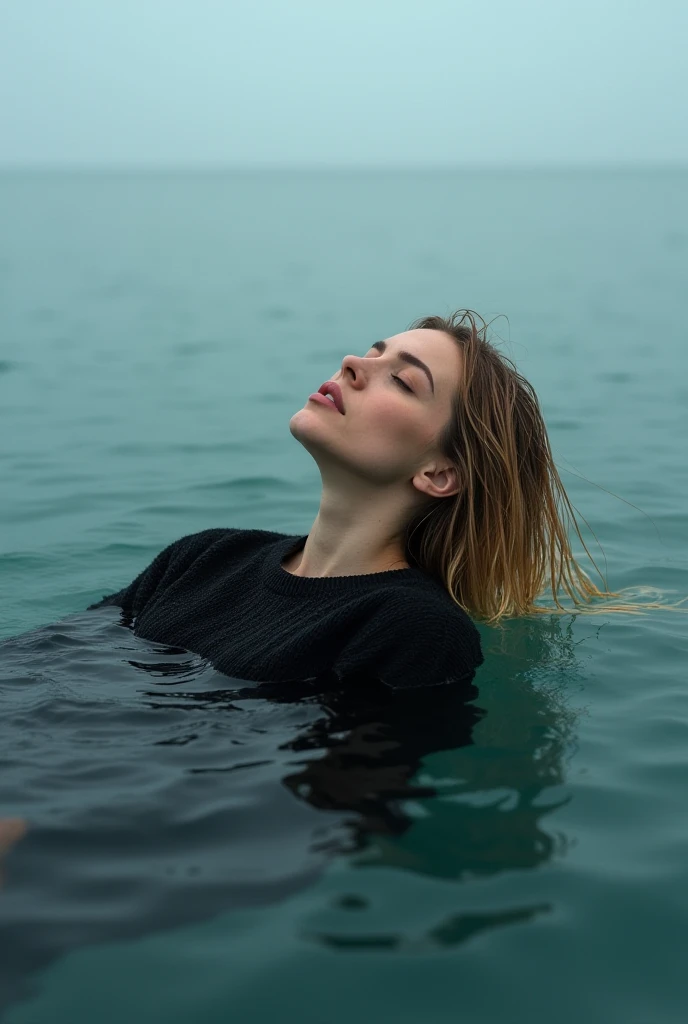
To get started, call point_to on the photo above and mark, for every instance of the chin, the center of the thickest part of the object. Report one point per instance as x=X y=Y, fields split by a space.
x=307 y=430
x=295 y=423
x=304 y=427
x=307 y=419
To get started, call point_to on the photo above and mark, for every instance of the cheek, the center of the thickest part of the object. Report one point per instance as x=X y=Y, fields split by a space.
x=394 y=424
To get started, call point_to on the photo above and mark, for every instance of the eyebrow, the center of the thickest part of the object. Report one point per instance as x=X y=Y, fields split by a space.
x=406 y=357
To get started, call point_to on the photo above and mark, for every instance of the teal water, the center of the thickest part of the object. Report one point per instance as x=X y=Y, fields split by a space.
x=157 y=333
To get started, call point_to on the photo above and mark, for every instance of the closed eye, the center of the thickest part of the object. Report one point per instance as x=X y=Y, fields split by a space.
x=379 y=345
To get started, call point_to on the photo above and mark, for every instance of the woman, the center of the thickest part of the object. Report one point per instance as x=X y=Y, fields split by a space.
x=439 y=502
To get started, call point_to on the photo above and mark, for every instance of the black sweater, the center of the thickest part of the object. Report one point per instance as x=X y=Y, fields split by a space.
x=224 y=595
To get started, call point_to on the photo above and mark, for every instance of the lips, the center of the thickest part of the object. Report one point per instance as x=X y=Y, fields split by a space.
x=330 y=388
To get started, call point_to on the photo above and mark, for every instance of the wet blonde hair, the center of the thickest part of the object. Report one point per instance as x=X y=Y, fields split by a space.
x=503 y=538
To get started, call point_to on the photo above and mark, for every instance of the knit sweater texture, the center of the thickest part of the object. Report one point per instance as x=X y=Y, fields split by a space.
x=224 y=594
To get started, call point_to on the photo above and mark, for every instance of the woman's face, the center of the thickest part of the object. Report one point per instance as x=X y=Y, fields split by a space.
x=397 y=398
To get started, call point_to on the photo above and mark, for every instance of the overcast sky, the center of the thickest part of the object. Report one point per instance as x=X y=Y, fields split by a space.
x=342 y=82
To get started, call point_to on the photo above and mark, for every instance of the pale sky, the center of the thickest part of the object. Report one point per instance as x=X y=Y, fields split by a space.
x=342 y=82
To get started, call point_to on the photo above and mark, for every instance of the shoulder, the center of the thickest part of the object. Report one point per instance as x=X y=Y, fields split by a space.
x=431 y=615
x=423 y=638
x=179 y=556
x=223 y=547
x=197 y=543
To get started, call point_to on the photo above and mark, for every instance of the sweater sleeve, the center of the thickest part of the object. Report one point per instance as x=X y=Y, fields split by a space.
x=166 y=567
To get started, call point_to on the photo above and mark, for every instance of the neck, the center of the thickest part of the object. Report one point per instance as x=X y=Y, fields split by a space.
x=352 y=537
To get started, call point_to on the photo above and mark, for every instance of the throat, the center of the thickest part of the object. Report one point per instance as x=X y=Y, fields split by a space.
x=292 y=563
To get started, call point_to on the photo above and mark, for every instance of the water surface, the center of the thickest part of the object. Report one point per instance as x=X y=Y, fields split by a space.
x=198 y=850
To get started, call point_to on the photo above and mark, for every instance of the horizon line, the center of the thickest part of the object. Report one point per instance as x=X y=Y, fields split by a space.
x=96 y=167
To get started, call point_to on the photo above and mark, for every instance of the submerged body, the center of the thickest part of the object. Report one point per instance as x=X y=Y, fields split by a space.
x=226 y=595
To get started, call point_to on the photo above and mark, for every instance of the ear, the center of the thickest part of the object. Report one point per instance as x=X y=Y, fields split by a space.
x=437 y=482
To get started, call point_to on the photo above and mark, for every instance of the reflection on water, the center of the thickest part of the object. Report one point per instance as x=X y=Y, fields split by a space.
x=159 y=791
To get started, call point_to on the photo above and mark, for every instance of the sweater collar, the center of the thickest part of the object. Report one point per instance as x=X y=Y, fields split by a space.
x=276 y=578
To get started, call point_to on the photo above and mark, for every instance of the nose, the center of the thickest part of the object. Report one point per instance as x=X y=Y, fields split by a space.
x=353 y=371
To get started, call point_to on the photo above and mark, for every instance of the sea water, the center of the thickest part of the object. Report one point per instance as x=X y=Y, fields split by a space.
x=199 y=851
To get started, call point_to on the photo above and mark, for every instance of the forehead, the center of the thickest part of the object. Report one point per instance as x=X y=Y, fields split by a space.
x=429 y=339
x=440 y=351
